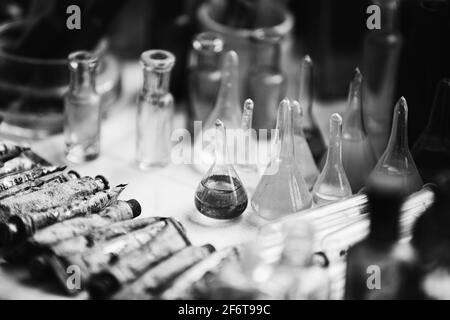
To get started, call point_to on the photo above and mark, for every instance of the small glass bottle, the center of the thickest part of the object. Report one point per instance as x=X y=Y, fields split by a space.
x=382 y=48
x=204 y=73
x=431 y=152
x=155 y=110
x=82 y=109
x=332 y=184
x=220 y=194
x=357 y=155
x=397 y=159
x=266 y=80
x=309 y=124
x=282 y=190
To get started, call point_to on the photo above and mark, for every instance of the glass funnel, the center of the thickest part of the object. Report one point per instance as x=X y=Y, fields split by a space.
x=332 y=184
x=220 y=194
x=396 y=159
x=282 y=190
x=302 y=151
x=358 y=158
x=306 y=97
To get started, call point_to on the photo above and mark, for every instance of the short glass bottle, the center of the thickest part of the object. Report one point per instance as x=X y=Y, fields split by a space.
x=155 y=110
x=82 y=109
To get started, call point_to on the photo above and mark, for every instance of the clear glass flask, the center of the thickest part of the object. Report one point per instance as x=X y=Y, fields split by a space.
x=382 y=48
x=246 y=151
x=431 y=152
x=155 y=110
x=282 y=190
x=302 y=151
x=397 y=159
x=332 y=184
x=357 y=154
x=204 y=73
x=227 y=108
x=266 y=80
x=221 y=194
x=82 y=109
x=306 y=97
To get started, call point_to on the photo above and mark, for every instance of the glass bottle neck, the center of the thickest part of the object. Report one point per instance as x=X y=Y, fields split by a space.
x=268 y=55
x=286 y=133
x=82 y=80
x=156 y=82
x=209 y=60
x=334 y=155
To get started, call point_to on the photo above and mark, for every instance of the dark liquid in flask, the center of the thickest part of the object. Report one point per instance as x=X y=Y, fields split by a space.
x=221 y=197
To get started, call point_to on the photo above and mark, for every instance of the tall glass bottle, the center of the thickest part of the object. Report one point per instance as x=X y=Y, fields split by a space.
x=306 y=97
x=266 y=81
x=397 y=159
x=204 y=73
x=382 y=49
x=301 y=148
x=282 y=190
x=227 y=108
x=431 y=152
x=357 y=155
x=332 y=184
x=155 y=110
x=220 y=194
x=82 y=109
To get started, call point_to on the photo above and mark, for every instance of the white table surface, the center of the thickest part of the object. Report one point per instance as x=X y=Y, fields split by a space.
x=166 y=191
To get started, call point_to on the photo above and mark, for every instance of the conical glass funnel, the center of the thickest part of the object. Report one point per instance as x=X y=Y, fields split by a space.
x=396 y=159
x=227 y=108
x=282 y=190
x=220 y=194
x=432 y=150
x=301 y=148
x=357 y=154
x=306 y=97
x=246 y=151
x=332 y=184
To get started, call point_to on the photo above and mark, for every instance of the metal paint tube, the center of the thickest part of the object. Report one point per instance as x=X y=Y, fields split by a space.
x=29 y=175
x=156 y=279
x=168 y=242
x=20 y=227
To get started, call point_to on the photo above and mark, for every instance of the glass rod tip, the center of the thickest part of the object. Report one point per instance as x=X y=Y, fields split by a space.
x=307 y=59
x=336 y=118
x=357 y=76
x=402 y=106
x=297 y=108
x=248 y=104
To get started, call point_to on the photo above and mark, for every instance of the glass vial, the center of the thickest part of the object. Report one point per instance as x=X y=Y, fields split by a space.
x=266 y=81
x=397 y=159
x=382 y=48
x=82 y=109
x=332 y=184
x=155 y=110
x=306 y=97
x=282 y=191
x=204 y=73
x=357 y=155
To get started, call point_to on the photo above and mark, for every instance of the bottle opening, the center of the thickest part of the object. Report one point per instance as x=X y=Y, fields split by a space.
x=209 y=42
x=159 y=60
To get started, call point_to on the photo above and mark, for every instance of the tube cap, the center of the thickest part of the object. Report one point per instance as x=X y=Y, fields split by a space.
x=74 y=174
x=102 y=285
x=104 y=180
x=135 y=207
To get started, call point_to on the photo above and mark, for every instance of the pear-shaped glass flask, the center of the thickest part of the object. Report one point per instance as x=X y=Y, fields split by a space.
x=397 y=159
x=332 y=184
x=282 y=190
x=301 y=148
x=221 y=194
x=227 y=109
x=245 y=158
x=306 y=97
x=357 y=154
x=432 y=150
